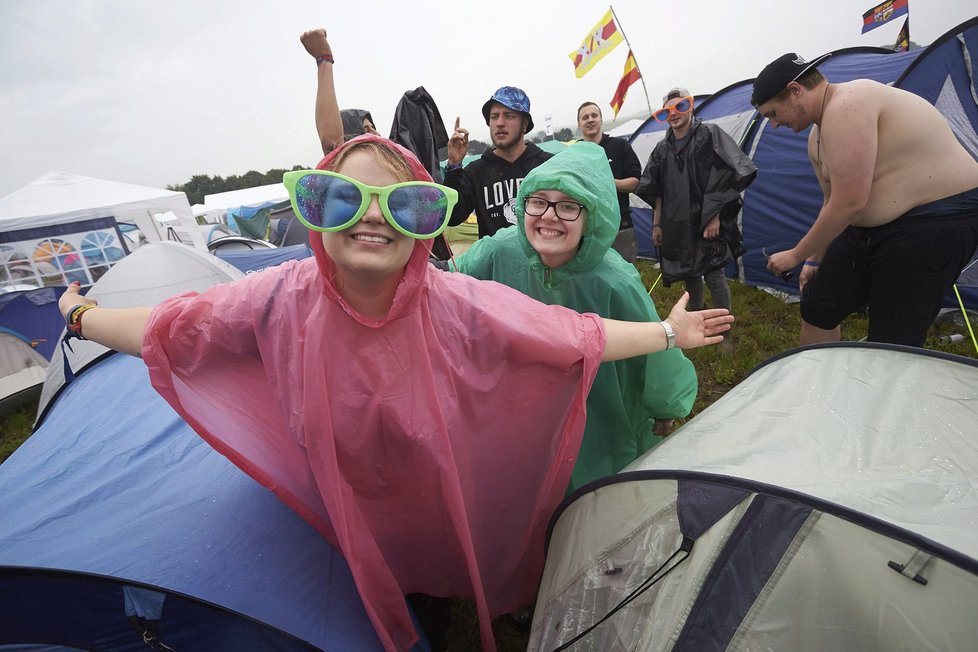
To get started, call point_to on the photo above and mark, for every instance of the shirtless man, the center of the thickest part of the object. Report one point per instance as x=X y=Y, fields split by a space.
x=900 y=214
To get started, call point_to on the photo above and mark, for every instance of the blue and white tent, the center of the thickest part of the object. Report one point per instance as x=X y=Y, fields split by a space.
x=30 y=327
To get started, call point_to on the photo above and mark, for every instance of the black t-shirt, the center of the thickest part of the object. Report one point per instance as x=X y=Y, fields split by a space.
x=488 y=186
x=624 y=164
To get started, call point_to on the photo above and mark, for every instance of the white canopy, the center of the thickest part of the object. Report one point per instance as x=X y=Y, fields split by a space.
x=273 y=193
x=63 y=198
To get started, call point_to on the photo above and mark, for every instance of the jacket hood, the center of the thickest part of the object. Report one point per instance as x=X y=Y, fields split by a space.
x=582 y=172
x=417 y=265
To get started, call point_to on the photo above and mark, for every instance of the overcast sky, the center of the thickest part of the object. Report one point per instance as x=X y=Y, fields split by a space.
x=153 y=92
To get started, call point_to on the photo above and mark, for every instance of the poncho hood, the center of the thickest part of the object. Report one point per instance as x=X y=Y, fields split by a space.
x=417 y=265
x=582 y=172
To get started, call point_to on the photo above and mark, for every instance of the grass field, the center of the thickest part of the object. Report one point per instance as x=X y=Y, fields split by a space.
x=765 y=327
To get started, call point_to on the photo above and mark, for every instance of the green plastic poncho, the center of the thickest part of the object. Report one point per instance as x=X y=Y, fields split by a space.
x=627 y=395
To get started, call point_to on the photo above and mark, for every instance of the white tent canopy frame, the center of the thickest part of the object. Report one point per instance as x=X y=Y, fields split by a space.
x=63 y=198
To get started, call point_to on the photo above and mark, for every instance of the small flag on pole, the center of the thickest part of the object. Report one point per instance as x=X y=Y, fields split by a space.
x=628 y=77
x=884 y=12
x=601 y=40
x=903 y=38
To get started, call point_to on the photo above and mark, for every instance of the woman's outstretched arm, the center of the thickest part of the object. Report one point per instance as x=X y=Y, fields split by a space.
x=117 y=328
x=627 y=339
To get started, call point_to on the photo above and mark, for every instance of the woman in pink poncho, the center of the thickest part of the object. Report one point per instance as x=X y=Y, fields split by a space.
x=425 y=423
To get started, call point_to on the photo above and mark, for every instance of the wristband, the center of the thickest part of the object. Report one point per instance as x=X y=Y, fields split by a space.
x=670 y=334
x=453 y=166
x=656 y=226
x=325 y=58
x=811 y=263
x=73 y=319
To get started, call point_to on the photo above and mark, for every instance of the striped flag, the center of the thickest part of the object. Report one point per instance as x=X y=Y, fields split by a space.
x=629 y=77
x=884 y=12
x=903 y=38
x=601 y=40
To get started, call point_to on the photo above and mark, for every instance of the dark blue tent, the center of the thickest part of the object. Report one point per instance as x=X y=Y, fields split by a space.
x=781 y=205
x=944 y=75
x=255 y=260
x=34 y=317
x=118 y=522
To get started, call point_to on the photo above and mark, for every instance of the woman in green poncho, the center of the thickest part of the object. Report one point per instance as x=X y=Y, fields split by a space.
x=560 y=253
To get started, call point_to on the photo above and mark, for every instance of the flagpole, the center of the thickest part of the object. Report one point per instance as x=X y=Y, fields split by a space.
x=641 y=76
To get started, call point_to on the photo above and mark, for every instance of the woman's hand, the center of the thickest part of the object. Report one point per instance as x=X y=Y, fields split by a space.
x=698 y=328
x=72 y=297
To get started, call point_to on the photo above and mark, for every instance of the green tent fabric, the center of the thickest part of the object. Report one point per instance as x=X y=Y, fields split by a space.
x=627 y=394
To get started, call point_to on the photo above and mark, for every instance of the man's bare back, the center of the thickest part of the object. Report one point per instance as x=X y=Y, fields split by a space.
x=917 y=157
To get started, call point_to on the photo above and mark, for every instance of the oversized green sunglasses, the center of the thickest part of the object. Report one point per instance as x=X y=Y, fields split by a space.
x=329 y=201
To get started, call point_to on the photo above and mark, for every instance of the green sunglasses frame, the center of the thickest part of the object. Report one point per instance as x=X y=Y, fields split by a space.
x=291 y=180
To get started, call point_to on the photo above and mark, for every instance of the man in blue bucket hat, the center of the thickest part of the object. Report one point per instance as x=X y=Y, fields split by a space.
x=488 y=185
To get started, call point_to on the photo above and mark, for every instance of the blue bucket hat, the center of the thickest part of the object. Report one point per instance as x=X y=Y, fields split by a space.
x=512 y=98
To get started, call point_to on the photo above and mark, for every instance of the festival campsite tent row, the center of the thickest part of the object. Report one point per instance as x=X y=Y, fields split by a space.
x=827 y=502
x=780 y=206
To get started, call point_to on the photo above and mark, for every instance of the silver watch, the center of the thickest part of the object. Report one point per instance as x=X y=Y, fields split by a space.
x=670 y=334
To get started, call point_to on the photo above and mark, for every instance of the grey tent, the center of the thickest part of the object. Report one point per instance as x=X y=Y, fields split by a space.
x=144 y=278
x=828 y=502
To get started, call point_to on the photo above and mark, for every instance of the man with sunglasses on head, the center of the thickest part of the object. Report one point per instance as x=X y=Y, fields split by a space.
x=900 y=215
x=488 y=185
x=693 y=179
x=625 y=167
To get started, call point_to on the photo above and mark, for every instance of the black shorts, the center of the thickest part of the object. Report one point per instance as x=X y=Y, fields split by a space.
x=900 y=270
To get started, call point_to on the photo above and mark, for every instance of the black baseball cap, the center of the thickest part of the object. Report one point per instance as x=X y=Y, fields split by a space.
x=779 y=73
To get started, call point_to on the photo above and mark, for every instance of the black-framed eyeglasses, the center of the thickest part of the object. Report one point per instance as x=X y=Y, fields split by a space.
x=565 y=210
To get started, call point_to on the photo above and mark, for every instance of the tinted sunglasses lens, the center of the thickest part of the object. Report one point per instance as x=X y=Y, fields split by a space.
x=327 y=202
x=420 y=210
x=661 y=115
x=682 y=106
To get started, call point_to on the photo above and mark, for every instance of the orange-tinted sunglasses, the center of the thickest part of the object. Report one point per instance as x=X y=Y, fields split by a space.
x=684 y=105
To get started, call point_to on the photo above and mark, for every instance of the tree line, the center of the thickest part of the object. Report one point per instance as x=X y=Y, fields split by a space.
x=203 y=184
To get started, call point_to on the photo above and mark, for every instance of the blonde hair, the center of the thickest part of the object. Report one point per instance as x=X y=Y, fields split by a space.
x=388 y=158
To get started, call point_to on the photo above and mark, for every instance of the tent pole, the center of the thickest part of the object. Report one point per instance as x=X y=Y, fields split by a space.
x=964 y=313
x=637 y=67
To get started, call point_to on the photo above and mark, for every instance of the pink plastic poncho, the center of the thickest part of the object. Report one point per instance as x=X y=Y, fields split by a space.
x=430 y=447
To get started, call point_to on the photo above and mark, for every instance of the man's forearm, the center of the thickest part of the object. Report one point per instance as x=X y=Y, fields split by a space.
x=463 y=208
x=831 y=222
x=626 y=185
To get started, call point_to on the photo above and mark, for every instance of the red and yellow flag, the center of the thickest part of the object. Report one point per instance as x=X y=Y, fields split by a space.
x=601 y=40
x=629 y=77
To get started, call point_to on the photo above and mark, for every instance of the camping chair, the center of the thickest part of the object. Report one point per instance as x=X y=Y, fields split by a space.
x=250 y=222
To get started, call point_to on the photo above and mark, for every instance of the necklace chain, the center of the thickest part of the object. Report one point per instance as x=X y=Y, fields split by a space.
x=818 y=136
